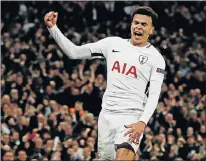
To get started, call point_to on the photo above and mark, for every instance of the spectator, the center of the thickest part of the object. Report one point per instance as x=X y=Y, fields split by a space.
x=8 y=156
x=22 y=156
x=45 y=95
x=193 y=122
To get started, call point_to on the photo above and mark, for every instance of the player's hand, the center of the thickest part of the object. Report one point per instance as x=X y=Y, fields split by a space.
x=135 y=131
x=50 y=19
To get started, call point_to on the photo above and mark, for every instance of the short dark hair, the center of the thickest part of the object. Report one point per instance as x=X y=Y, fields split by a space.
x=145 y=10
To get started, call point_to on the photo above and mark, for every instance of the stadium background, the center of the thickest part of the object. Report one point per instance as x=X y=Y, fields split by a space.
x=45 y=96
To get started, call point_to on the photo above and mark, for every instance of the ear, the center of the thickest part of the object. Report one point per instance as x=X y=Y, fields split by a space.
x=151 y=31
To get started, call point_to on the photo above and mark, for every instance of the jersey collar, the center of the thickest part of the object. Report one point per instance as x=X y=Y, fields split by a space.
x=146 y=46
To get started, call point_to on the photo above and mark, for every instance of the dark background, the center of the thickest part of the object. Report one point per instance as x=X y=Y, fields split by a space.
x=37 y=78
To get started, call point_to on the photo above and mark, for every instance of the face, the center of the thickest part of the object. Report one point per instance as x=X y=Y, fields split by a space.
x=5 y=139
x=40 y=118
x=6 y=109
x=22 y=156
x=64 y=108
x=52 y=117
x=19 y=80
x=141 y=28
x=5 y=99
x=170 y=138
x=87 y=152
x=49 y=89
x=169 y=118
x=94 y=134
x=194 y=116
x=8 y=156
x=179 y=131
x=49 y=143
x=19 y=112
x=39 y=143
x=68 y=119
x=185 y=110
x=99 y=78
x=15 y=95
x=15 y=136
x=90 y=141
x=190 y=131
x=46 y=136
x=68 y=129
x=22 y=121
x=203 y=129
x=190 y=140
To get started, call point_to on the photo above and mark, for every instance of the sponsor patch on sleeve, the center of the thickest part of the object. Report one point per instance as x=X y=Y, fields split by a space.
x=159 y=70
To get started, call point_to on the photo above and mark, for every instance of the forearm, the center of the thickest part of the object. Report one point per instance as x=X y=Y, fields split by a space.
x=81 y=75
x=70 y=49
x=152 y=102
x=92 y=76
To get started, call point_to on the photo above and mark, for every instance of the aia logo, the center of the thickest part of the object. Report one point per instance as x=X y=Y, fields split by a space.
x=143 y=59
x=124 y=69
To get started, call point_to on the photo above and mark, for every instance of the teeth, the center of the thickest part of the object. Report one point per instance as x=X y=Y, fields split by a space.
x=138 y=33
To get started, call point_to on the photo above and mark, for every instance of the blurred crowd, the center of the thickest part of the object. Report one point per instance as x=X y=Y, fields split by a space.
x=50 y=104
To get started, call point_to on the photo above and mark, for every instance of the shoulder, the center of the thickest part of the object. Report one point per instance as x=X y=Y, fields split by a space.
x=158 y=59
x=113 y=39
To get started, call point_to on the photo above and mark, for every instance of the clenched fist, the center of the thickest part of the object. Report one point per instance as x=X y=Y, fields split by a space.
x=50 y=19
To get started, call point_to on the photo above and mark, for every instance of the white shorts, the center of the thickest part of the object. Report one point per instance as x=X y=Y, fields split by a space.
x=111 y=132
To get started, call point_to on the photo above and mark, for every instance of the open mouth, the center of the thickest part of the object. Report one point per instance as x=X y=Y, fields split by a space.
x=138 y=35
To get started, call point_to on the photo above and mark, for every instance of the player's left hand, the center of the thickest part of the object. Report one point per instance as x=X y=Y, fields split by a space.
x=135 y=131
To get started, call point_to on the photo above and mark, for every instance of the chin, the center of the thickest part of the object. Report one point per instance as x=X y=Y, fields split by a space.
x=136 y=42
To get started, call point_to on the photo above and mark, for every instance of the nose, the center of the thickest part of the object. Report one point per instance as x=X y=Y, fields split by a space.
x=139 y=26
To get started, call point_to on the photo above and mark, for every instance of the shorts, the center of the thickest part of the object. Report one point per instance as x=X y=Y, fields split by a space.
x=111 y=132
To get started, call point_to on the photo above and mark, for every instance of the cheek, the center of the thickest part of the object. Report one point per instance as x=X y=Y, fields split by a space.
x=132 y=27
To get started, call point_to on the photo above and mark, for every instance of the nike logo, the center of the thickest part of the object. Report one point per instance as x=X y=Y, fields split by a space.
x=115 y=50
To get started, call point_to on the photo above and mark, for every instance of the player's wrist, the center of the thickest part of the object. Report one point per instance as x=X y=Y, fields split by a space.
x=53 y=28
x=142 y=122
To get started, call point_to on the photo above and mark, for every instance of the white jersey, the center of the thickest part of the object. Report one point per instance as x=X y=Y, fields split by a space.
x=130 y=71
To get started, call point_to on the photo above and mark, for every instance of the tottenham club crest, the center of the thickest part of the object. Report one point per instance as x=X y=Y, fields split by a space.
x=143 y=59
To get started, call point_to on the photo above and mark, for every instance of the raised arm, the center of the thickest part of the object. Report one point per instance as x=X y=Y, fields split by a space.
x=71 y=50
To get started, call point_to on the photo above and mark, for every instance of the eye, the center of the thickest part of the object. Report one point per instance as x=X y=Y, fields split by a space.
x=144 y=24
x=135 y=22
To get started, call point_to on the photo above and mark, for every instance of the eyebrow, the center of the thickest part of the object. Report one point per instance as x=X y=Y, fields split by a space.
x=142 y=22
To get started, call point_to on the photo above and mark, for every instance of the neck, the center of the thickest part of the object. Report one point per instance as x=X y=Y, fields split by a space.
x=140 y=44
